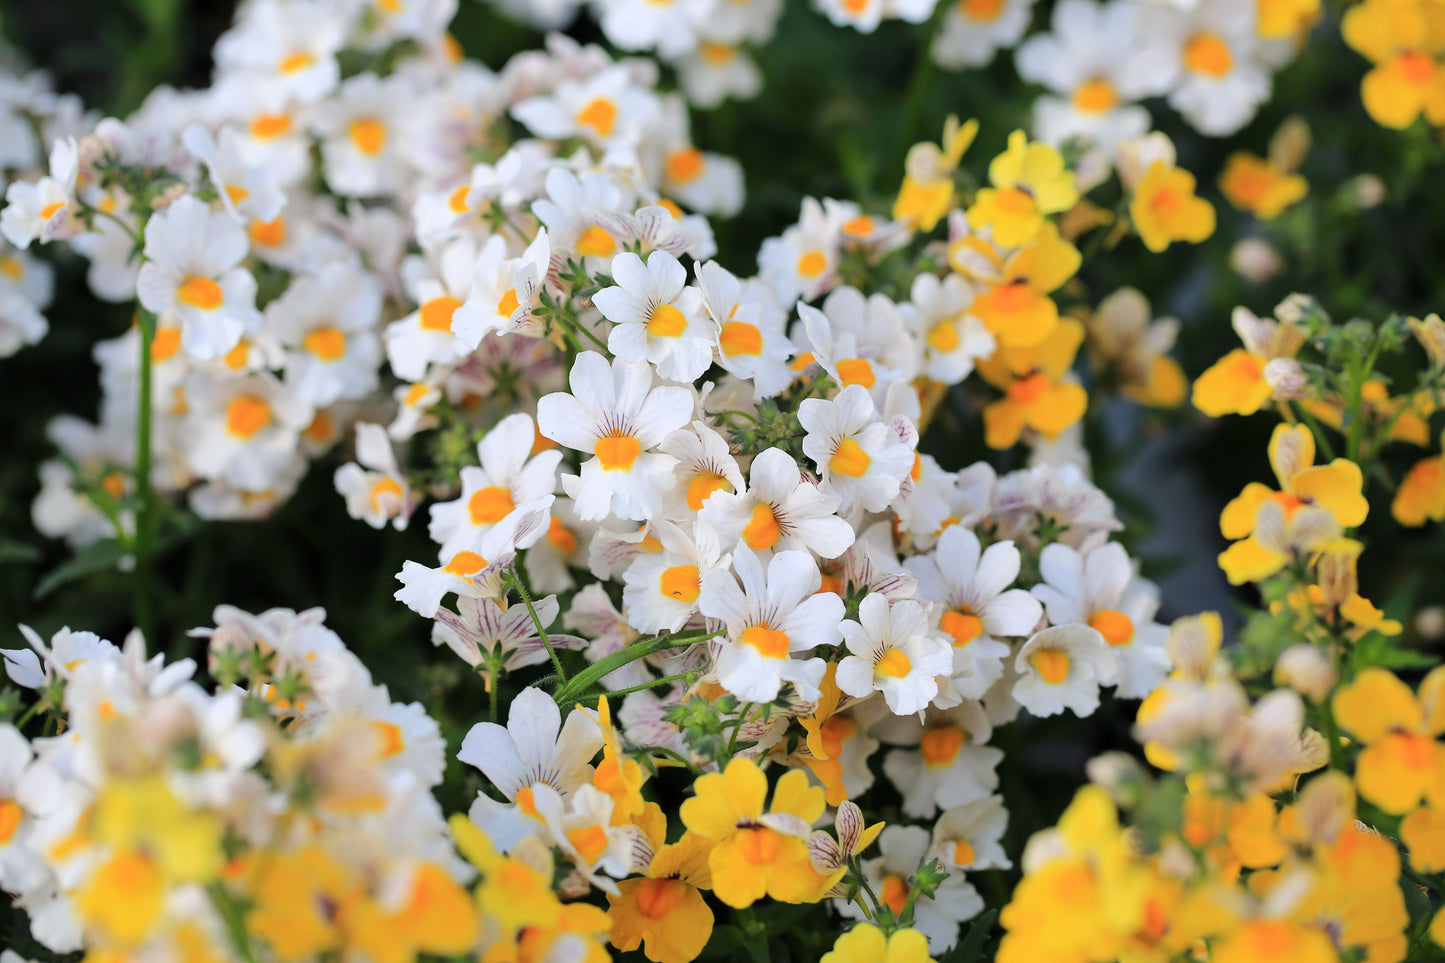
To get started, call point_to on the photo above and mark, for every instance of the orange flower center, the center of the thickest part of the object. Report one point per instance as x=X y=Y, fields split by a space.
x=666 y=322
x=1116 y=627
x=856 y=371
x=658 y=897
x=246 y=415
x=894 y=664
x=617 y=452
x=940 y=745
x=759 y=845
x=1051 y=664
x=762 y=531
x=1207 y=54
x=436 y=314
x=739 y=337
x=850 y=459
x=487 y=506
x=327 y=343
x=963 y=625
x=200 y=292
x=767 y=640
x=680 y=582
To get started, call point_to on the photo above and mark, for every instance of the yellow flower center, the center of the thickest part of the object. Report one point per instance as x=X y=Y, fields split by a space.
x=436 y=314
x=767 y=640
x=268 y=233
x=589 y=841
x=850 y=459
x=246 y=415
x=943 y=336
x=762 y=531
x=860 y=226
x=1011 y=200
x=666 y=322
x=963 y=625
x=1051 y=664
x=895 y=893
x=1095 y=96
x=856 y=371
x=269 y=126
x=595 y=242
x=293 y=62
x=327 y=343
x=508 y=303
x=600 y=114
x=561 y=537
x=739 y=337
x=1116 y=627
x=940 y=745
x=894 y=664
x=617 y=452
x=1415 y=68
x=165 y=344
x=680 y=582
x=389 y=738
x=200 y=292
x=984 y=10
x=385 y=488
x=963 y=853
x=465 y=563
x=759 y=845
x=48 y=211
x=1027 y=390
x=1207 y=54
x=811 y=264
x=684 y=165
x=368 y=134
x=658 y=897
x=458 y=201
x=701 y=487
x=490 y=505
x=9 y=820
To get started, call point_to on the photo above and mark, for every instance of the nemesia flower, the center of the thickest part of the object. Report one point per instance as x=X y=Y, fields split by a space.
x=1404 y=45
x=893 y=651
x=665 y=912
x=968 y=835
x=1236 y=384
x=1403 y=756
x=614 y=413
x=374 y=488
x=902 y=849
x=974 y=30
x=953 y=339
x=862 y=462
x=778 y=511
x=659 y=318
x=469 y=574
x=44 y=209
x=1165 y=209
x=481 y=631
x=1029 y=181
x=1062 y=668
x=662 y=589
x=950 y=767
x=328 y=322
x=503 y=292
x=751 y=341
x=1037 y=393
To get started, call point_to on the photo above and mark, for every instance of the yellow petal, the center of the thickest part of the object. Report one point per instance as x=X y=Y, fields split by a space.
x=1375 y=703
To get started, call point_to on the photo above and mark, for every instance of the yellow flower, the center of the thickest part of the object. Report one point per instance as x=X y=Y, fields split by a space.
x=122 y=899
x=619 y=777
x=1017 y=309
x=1356 y=895
x=1274 y=941
x=1402 y=41
x=1424 y=834
x=1260 y=186
x=1035 y=393
x=1029 y=182
x=1312 y=505
x=666 y=912
x=1123 y=337
x=1234 y=385
x=1402 y=759
x=865 y=943
x=438 y=918
x=298 y=899
x=757 y=854
x=1421 y=495
x=826 y=735
x=1278 y=19
x=1165 y=208
x=927 y=191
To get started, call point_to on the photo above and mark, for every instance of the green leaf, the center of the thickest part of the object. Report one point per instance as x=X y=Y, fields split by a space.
x=1377 y=650
x=970 y=949
x=13 y=551
x=95 y=557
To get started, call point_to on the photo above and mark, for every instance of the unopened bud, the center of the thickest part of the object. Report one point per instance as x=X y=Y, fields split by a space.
x=1306 y=670
x=1335 y=575
x=1254 y=260
x=169 y=196
x=1120 y=775
x=1138 y=155
x=1366 y=191
x=1430 y=622
x=1296 y=308
x=1287 y=377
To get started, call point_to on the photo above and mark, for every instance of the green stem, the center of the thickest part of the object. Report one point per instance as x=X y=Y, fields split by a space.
x=606 y=665
x=1332 y=736
x=145 y=524
x=1421 y=880
x=235 y=921
x=650 y=750
x=635 y=688
x=1316 y=427
x=516 y=579
x=917 y=93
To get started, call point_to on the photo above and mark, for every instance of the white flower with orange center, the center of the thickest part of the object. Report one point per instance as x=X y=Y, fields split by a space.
x=582 y=828
x=469 y=574
x=362 y=134
x=535 y=749
x=1101 y=589
x=779 y=511
x=606 y=109
x=894 y=651
x=977 y=608
x=327 y=321
x=662 y=588
x=44 y=209
x=193 y=269
x=615 y=414
x=968 y=836
x=751 y=341
x=425 y=336
x=1215 y=63
x=658 y=317
x=705 y=465
x=289 y=46
x=248 y=191
x=668 y=26
x=937 y=313
x=777 y=611
x=504 y=291
x=865 y=15
x=860 y=341
x=565 y=546
x=701 y=180
x=902 y=849
x=862 y=460
x=1062 y=668
x=718 y=70
x=374 y=488
x=950 y=764
x=509 y=480
x=802 y=262
x=21 y=322
x=974 y=29
x=1098 y=64
x=571 y=212
x=243 y=431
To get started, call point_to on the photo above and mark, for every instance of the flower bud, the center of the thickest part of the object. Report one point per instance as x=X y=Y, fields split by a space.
x=1430 y=622
x=1288 y=379
x=1431 y=335
x=1306 y=670
x=1366 y=191
x=1255 y=260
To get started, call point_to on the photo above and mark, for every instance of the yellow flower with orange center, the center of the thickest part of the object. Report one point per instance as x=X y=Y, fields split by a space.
x=1029 y=181
x=1403 y=41
x=1403 y=759
x=1165 y=208
x=758 y=853
x=927 y=191
x=665 y=911
x=1259 y=185
x=1035 y=393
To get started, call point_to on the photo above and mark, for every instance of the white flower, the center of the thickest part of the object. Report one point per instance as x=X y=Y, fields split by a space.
x=504 y=291
x=862 y=461
x=701 y=180
x=248 y=191
x=658 y=317
x=361 y=129
x=902 y=849
x=572 y=209
x=775 y=613
x=425 y=336
x=44 y=209
x=380 y=494
x=670 y=28
x=243 y=431
x=970 y=586
x=893 y=651
x=192 y=269
x=1101 y=590
x=535 y=748
x=705 y=466
x=607 y=108
x=614 y=413
x=778 y=511
x=1214 y=64
x=662 y=588
x=968 y=836
x=751 y=341
x=718 y=71
x=67 y=651
x=950 y=766
x=292 y=46
x=952 y=339
x=803 y=262
x=1062 y=668
x=974 y=29
x=469 y=574
x=508 y=481
x=327 y=321
x=861 y=341
x=480 y=631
